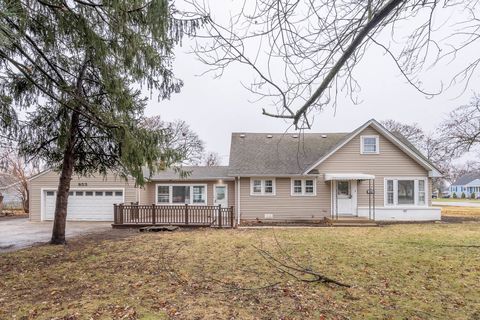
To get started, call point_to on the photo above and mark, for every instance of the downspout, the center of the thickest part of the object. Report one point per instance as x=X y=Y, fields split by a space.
x=238 y=201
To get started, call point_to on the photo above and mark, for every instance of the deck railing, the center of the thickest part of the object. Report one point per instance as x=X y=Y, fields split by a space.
x=176 y=215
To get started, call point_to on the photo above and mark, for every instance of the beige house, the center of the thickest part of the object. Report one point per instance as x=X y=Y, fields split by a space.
x=369 y=172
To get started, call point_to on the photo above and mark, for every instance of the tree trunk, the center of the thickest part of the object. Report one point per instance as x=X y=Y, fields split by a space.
x=60 y=220
x=26 y=200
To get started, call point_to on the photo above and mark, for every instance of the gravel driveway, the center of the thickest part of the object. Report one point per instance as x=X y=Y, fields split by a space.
x=21 y=233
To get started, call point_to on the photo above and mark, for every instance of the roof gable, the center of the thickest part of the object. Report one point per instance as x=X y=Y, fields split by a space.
x=402 y=144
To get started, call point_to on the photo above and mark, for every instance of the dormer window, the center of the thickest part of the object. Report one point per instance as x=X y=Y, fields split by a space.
x=369 y=145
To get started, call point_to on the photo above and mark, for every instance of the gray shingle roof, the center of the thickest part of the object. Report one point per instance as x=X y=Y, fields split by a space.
x=467 y=178
x=195 y=173
x=279 y=153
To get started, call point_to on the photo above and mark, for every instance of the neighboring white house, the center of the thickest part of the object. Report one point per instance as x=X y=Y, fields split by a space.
x=9 y=191
x=468 y=184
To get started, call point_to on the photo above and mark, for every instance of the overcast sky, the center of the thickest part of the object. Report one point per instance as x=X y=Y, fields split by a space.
x=215 y=108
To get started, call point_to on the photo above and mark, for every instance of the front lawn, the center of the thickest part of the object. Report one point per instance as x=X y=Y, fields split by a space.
x=414 y=271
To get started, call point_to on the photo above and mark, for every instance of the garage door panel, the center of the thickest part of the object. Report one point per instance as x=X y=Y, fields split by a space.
x=90 y=205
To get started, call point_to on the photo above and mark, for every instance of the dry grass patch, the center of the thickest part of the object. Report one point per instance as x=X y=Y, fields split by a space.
x=396 y=272
x=452 y=211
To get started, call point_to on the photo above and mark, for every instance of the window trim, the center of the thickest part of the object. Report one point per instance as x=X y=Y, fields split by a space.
x=304 y=187
x=170 y=193
x=415 y=192
x=377 y=141
x=262 y=187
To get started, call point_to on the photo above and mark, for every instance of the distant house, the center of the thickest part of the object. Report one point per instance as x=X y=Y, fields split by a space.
x=468 y=184
x=9 y=191
x=368 y=172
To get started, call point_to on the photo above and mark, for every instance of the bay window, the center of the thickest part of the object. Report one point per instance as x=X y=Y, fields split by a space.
x=405 y=191
x=303 y=187
x=262 y=187
x=181 y=194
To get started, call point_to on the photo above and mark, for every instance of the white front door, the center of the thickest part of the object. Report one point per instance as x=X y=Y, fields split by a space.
x=346 y=197
x=220 y=195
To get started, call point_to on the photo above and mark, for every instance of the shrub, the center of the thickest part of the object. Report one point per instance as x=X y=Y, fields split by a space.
x=463 y=195
x=454 y=196
x=473 y=196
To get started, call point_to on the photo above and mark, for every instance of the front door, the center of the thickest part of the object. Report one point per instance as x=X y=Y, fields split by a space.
x=346 y=197
x=220 y=195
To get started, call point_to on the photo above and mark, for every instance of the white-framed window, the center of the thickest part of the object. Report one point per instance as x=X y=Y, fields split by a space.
x=369 y=145
x=181 y=194
x=262 y=186
x=406 y=191
x=303 y=187
x=390 y=193
x=421 y=192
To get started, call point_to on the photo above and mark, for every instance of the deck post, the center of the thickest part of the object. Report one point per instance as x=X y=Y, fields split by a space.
x=232 y=220
x=115 y=214
x=186 y=213
x=220 y=216
x=120 y=216
x=153 y=214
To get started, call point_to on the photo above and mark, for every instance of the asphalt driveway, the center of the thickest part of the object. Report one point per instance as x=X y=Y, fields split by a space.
x=21 y=233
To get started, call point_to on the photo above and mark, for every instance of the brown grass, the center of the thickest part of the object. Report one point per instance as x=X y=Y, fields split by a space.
x=397 y=272
x=473 y=212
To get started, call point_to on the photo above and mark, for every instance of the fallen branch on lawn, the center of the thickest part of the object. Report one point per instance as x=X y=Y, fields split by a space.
x=296 y=271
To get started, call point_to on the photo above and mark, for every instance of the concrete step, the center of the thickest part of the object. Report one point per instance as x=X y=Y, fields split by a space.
x=353 y=224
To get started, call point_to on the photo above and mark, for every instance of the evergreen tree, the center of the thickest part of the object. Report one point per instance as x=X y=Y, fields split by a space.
x=74 y=68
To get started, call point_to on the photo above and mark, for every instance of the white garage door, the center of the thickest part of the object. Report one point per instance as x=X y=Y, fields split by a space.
x=92 y=205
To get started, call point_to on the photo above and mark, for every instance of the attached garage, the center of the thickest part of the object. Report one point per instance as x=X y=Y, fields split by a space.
x=85 y=204
x=90 y=199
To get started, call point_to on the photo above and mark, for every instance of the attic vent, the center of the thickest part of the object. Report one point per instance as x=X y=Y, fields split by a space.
x=269 y=136
x=242 y=135
x=324 y=135
x=295 y=136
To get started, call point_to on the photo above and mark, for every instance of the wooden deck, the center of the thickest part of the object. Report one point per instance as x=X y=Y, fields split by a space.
x=136 y=216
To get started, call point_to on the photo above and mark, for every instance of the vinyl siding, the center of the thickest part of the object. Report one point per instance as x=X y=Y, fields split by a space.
x=283 y=205
x=147 y=195
x=390 y=162
x=50 y=180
